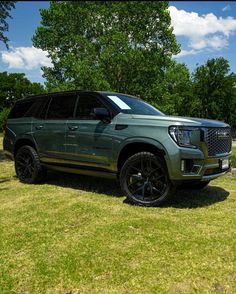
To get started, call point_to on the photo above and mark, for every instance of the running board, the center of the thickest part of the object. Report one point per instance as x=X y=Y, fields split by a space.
x=87 y=172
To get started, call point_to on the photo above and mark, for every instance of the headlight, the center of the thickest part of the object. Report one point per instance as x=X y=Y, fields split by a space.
x=182 y=135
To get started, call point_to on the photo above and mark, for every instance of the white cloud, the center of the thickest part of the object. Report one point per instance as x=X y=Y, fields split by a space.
x=202 y=31
x=226 y=8
x=216 y=42
x=26 y=58
x=187 y=52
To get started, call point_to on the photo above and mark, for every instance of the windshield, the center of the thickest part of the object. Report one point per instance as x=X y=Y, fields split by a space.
x=132 y=105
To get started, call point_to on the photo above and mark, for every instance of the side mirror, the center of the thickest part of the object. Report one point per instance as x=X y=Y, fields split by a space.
x=101 y=114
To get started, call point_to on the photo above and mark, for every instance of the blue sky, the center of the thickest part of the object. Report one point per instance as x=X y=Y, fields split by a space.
x=205 y=29
x=212 y=28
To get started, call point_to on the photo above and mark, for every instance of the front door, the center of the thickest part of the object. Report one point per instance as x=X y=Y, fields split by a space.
x=88 y=140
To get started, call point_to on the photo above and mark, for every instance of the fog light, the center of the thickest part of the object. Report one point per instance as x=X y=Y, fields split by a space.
x=187 y=166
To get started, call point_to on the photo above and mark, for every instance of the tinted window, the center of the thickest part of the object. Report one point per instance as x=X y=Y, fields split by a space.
x=86 y=105
x=44 y=107
x=132 y=105
x=61 y=107
x=34 y=110
x=20 y=109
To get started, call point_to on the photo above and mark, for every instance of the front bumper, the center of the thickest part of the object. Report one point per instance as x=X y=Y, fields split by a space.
x=200 y=166
x=214 y=176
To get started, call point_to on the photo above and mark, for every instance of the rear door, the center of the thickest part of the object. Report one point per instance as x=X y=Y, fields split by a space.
x=19 y=122
x=49 y=130
x=89 y=140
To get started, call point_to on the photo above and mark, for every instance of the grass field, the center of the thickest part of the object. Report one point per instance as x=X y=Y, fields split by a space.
x=233 y=158
x=76 y=234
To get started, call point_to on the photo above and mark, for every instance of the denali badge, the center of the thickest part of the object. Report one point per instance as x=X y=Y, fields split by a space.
x=222 y=134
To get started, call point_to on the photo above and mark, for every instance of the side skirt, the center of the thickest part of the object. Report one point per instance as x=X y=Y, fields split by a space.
x=82 y=171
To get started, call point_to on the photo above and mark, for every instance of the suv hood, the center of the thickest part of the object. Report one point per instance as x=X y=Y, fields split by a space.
x=179 y=120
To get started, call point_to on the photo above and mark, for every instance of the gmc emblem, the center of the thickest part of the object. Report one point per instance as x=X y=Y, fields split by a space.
x=222 y=134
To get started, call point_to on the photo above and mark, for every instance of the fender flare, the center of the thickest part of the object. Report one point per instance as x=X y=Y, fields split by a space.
x=134 y=140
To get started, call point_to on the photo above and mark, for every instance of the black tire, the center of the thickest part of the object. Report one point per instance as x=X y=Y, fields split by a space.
x=144 y=180
x=195 y=185
x=28 y=167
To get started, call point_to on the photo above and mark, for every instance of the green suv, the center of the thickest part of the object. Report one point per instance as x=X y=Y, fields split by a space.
x=118 y=136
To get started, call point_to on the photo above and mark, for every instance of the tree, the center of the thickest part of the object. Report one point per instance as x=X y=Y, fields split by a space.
x=177 y=96
x=214 y=87
x=124 y=46
x=14 y=86
x=5 y=8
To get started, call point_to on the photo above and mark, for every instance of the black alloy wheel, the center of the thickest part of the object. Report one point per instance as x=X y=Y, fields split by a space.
x=144 y=179
x=28 y=167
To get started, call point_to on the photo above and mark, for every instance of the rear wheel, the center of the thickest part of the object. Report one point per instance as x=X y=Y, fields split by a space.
x=144 y=180
x=28 y=167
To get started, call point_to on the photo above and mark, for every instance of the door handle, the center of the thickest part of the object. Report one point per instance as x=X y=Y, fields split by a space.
x=38 y=127
x=73 y=128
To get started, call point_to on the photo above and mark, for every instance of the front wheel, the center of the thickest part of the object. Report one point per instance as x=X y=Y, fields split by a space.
x=28 y=167
x=144 y=180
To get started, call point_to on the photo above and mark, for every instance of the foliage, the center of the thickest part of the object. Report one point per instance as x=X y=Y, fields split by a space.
x=5 y=8
x=124 y=46
x=210 y=92
x=14 y=86
x=3 y=116
x=214 y=90
x=177 y=90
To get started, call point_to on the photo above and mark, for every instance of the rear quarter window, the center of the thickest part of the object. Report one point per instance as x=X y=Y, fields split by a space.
x=28 y=108
x=20 y=108
x=34 y=109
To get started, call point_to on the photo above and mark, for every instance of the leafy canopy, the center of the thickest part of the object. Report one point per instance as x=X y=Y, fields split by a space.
x=124 y=46
x=215 y=90
x=127 y=46
x=14 y=86
x=177 y=90
x=5 y=8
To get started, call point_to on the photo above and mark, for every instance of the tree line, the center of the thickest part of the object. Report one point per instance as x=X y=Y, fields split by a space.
x=128 y=46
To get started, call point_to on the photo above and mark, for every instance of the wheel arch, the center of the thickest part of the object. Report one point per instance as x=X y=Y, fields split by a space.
x=22 y=142
x=132 y=148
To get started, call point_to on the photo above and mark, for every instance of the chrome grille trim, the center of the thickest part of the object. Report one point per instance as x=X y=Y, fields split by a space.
x=218 y=140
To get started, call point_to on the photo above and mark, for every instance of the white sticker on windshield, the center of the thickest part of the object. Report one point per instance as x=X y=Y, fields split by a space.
x=119 y=102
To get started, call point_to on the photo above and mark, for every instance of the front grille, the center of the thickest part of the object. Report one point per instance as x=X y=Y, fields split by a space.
x=218 y=140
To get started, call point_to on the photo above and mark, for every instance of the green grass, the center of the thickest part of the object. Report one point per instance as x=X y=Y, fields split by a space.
x=233 y=158
x=75 y=234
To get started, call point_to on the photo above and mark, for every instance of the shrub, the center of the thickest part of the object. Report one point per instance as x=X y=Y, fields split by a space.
x=3 y=116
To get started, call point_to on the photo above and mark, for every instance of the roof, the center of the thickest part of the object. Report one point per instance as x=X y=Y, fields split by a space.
x=74 y=92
